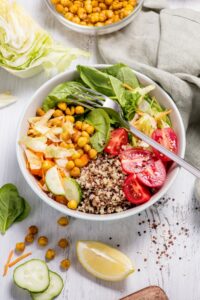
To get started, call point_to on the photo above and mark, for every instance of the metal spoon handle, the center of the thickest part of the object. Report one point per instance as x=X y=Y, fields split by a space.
x=180 y=161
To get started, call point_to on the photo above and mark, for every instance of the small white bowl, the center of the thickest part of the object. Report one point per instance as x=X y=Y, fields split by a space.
x=92 y=30
x=37 y=100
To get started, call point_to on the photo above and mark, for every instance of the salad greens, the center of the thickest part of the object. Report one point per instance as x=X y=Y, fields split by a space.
x=13 y=208
x=120 y=84
x=25 y=48
x=100 y=120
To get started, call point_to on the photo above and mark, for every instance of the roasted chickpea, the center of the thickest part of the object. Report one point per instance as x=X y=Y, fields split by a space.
x=68 y=110
x=55 y=1
x=63 y=221
x=29 y=238
x=78 y=125
x=59 y=8
x=102 y=16
x=94 y=17
x=90 y=129
x=75 y=136
x=62 y=106
x=102 y=5
x=72 y=110
x=63 y=2
x=20 y=247
x=96 y=9
x=82 y=141
x=72 y=204
x=69 y=16
x=92 y=153
x=70 y=119
x=82 y=15
x=33 y=229
x=80 y=151
x=57 y=113
x=65 y=264
x=108 y=2
x=50 y=254
x=95 y=3
x=40 y=112
x=65 y=136
x=75 y=172
x=82 y=161
x=85 y=133
x=70 y=165
x=88 y=8
x=42 y=241
x=109 y=13
x=79 y=110
x=75 y=156
x=85 y=126
x=63 y=243
x=73 y=8
x=87 y=148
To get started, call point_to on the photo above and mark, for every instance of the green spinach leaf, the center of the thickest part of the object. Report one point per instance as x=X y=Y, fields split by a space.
x=25 y=212
x=123 y=73
x=61 y=93
x=11 y=206
x=101 y=122
x=112 y=86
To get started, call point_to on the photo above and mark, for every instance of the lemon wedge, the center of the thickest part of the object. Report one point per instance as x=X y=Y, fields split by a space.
x=103 y=261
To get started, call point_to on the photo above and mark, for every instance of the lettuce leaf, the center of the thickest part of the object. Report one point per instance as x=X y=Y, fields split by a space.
x=25 y=48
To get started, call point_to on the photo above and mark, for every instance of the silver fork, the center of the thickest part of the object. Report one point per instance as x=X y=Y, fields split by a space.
x=98 y=100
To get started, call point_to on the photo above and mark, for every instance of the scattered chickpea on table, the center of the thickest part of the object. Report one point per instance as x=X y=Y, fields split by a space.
x=93 y=12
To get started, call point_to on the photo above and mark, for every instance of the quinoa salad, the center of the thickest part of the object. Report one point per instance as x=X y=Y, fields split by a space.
x=84 y=158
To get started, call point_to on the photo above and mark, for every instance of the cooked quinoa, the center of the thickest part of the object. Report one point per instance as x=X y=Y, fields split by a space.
x=101 y=182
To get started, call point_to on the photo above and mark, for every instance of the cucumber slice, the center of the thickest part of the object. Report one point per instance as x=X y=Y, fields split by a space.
x=72 y=189
x=33 y=276
x=54 y=289
x=53 y=182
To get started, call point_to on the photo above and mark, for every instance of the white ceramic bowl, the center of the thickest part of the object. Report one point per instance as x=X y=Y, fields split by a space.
x=92 y=30
x=37 y=100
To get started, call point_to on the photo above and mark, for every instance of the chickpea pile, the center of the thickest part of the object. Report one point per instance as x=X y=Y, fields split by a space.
x=94 y=12
x=43 y=241
x=78 y=140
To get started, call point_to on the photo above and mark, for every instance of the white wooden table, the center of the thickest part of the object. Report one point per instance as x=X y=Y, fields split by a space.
x=177 y=271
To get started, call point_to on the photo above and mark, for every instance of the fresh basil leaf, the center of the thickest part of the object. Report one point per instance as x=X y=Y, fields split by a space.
x=25 y=212
x=11 y=206
x=101 y=122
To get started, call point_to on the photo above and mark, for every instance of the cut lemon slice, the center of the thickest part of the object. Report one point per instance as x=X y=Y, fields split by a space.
x=103 y=261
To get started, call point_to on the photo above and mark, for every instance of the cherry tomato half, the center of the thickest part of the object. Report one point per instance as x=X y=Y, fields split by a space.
x=153 y=175
x=168 y=139
x=134 y=160
x=119 y=137
x=134 y=191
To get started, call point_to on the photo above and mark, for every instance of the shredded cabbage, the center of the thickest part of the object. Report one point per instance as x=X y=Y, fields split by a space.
x=25 y=48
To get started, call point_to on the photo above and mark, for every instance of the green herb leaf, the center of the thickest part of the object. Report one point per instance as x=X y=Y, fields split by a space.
x=11 y=206
x=101 y=122
x=25 y=212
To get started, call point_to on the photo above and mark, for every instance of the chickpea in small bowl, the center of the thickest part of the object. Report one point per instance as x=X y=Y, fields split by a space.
x=95 y=17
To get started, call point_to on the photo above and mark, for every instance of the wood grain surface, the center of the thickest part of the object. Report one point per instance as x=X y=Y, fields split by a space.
x=163 y=241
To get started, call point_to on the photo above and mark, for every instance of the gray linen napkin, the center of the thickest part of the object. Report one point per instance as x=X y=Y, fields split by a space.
x=164 y=44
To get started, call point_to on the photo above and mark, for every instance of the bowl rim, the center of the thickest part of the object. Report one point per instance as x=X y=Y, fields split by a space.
x=86 y=216
x=91 y=29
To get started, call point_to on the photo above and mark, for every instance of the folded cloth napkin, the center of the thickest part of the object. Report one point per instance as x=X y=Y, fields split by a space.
x=164 y=44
